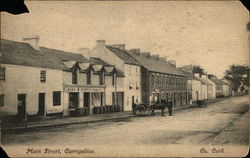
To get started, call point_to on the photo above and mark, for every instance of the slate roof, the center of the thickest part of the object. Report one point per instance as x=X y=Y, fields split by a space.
x=98 y=61
x=19 y=53
x=156 y=65
x=124 y=55
x=190 y=75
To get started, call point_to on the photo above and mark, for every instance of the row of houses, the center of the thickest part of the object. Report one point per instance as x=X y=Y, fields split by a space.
x=40 y=81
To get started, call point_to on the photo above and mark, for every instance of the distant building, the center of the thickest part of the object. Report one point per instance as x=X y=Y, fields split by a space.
x=41 y=81
x=160 y=79
x=218 y=85
x=118 y=56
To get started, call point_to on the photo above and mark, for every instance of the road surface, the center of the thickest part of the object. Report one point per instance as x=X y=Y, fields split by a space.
x=224 y=122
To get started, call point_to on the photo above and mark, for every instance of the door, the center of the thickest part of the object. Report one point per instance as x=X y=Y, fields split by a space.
x=21 y=101
x=86 y=102
x=133 y=99
x=120 y=100
x=41 y=103
x=73 y=100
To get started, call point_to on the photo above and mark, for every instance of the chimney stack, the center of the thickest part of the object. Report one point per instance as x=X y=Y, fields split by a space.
x=164 y=59
x=146 y=54
x=33 y=41
x=156 y=57
x=197 y=75
x=120 y=46
x=100 y=43
x=135 y=50
x=173 y=62
x=84 y=52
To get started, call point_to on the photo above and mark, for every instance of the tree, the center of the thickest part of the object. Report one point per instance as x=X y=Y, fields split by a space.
x=238 y=75
x=198 y=69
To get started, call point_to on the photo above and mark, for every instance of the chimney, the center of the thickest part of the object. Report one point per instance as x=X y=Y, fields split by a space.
x=156 y=57
x=173 y=62
x=84 y=52
x=33 y=41
x=100 y=43
x=146 y=54
x=135 y=50
x=164 y=59
x=120 y=46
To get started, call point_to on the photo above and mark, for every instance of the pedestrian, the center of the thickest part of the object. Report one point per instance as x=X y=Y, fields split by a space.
x=134 y=106
x=169 y=106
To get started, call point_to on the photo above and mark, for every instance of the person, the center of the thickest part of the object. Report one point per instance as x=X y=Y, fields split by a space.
x=134 y=106
x=169 y=106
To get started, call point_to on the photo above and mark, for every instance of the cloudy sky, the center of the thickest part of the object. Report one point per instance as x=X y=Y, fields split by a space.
x=207 y=33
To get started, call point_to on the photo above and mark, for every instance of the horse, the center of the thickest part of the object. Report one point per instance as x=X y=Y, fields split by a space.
x=158 y=106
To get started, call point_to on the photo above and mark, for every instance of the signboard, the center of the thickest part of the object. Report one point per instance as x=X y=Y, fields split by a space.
x=83 y=89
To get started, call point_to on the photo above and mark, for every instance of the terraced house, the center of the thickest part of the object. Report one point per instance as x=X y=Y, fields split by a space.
x=54 y=82
x=160 y=79
x=118 y=56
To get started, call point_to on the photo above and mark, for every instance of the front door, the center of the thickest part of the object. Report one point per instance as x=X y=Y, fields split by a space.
x=21 y=101
x=120 y=100
x=86 y=103
x=41 y=104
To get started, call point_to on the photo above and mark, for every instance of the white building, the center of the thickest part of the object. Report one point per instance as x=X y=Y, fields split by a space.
x=117 y=55
x=41 y=81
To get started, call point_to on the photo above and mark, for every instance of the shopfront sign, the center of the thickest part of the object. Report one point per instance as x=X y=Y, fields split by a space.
x=83 y=89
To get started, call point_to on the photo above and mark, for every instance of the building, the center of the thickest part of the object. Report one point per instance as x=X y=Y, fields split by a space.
x=39 y=81
x=118 y=56
x=226 y=89
x=160 y=79
x=195 y=85
x=209 y=88
x=218 y=85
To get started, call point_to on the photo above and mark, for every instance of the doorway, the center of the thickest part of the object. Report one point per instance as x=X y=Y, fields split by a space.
x=86 y=102
x=21 y=103
x=41 y=104
x=73 y=99
x=120 y=100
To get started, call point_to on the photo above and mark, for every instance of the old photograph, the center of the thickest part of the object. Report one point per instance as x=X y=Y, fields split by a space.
x=125 y=79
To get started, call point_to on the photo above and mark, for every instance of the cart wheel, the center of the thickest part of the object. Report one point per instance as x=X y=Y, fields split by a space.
x=140 y=110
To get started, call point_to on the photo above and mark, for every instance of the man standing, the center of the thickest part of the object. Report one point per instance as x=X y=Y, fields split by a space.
x=134 y=106
x=169 y=106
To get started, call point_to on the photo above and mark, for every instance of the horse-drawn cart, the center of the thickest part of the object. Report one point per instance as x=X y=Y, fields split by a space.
x=145 y=109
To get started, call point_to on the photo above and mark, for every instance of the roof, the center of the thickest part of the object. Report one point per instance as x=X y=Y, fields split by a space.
x=190 y=75
x=124 y=55
x=205 y=81
x=156 y=65
x=19 y=53
x=217 y=81
x=98 y=61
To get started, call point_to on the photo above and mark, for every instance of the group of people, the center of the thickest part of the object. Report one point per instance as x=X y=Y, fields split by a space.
x=168 y=104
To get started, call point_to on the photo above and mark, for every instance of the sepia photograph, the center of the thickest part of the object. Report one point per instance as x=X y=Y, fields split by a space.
x=125 y=79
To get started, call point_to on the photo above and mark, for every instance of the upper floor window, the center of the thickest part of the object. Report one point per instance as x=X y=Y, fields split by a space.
x=1 y=100
x=43 y=76
x=2 y=73
x=158 y=79
x=74 y=76
x=56 y=98
x=153 y=79
x=102 y=78
x=89 y=77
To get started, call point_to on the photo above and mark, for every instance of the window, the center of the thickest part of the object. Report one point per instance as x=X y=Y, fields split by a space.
x=153 y=79
x=1 y=100
x=89 y=77
x=162 y=80
x=158 y=80
x=56 y=98
x=130 y=86
x=74 y=76
x=43 y=76
x=102 y=78
x=2 y=73
x=136 y=85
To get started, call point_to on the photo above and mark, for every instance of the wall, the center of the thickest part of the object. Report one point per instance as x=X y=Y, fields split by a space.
x=132 y=85
x=196 y=88
x=204 y=90
x=28 y=82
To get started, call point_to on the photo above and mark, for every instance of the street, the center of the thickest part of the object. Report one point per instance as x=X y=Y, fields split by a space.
x=224 y=122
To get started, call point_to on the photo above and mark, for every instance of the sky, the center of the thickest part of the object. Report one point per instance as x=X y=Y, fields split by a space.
x=211 y=34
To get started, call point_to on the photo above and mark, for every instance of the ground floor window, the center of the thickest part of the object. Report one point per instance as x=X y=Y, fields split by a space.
x=1 y=100
x=56 y=98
